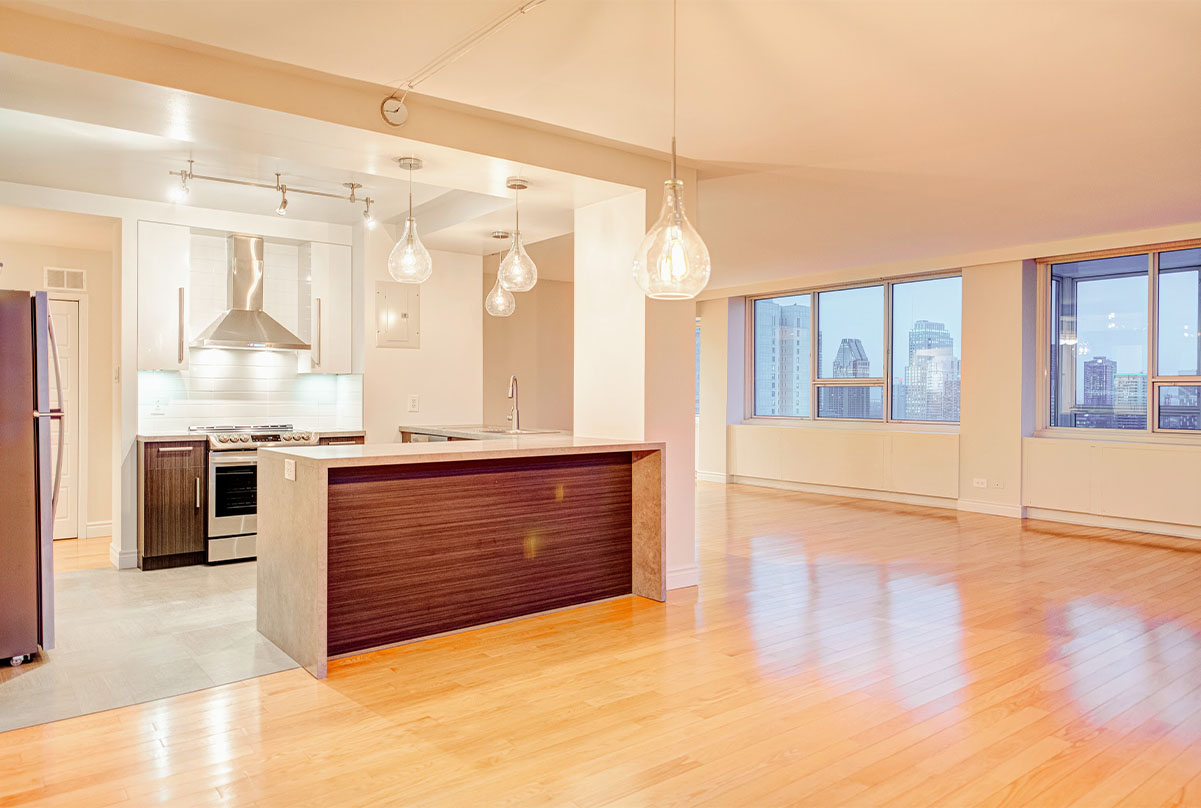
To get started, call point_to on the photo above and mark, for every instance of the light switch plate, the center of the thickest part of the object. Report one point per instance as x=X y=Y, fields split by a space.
x=980 y=482
x=414 y=403
x=289 y=469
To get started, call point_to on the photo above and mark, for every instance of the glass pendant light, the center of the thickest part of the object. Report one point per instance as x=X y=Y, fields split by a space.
x=500 y=301
x=409 y=261
x=672 y=262
x=517 y=272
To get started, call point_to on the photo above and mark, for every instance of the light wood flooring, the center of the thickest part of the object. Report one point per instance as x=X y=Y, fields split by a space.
x=81 y=554
x=837 y=653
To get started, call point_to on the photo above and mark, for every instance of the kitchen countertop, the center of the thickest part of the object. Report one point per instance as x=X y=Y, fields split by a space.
x=471 y=431
x=155 y=437
x=387 y=454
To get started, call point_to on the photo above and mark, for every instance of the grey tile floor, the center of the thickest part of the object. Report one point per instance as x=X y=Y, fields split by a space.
x=126 y=637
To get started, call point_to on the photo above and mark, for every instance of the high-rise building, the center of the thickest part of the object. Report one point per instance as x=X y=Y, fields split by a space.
x=781 y=359
x=1130 y=392
x=1098 y=382
x=851 y=362
x=929 y=390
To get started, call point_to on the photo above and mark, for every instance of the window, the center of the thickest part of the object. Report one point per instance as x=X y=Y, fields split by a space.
x=926 y=331
x=847 y=331
x=1124 y=346
x=782 y=351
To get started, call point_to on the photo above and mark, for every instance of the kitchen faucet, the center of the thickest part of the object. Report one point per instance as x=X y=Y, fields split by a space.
x=515 y=415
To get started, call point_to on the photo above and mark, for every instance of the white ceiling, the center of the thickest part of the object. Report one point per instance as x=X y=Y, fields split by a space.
x=76 y=231
x=830 y=133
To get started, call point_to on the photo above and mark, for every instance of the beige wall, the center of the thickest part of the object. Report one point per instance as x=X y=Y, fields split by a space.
x=534 y=343
x=447 y=369
x=23 y=264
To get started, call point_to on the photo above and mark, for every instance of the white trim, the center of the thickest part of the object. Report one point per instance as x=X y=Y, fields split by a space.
x=994 y=508
x=122 y=559
x=97 y=530
x=82 y=460
x=1114 y=522
x=856 y=493
x=684 y=577
x=712 y=476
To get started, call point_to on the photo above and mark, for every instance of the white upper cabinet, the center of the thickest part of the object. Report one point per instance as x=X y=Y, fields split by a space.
x=331 y=331
x=164 y=262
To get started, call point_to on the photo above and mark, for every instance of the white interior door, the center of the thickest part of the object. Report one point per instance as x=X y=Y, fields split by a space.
x=65 y=314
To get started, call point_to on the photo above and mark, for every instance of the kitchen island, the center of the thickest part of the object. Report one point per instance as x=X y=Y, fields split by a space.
x=363 y=547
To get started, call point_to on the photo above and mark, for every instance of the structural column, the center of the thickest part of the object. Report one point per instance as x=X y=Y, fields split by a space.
x=634 y=369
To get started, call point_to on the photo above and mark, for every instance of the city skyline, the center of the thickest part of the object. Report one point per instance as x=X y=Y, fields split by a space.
x=926 y=368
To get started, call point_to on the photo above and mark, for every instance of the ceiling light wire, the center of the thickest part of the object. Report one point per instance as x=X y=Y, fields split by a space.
x=461 y=48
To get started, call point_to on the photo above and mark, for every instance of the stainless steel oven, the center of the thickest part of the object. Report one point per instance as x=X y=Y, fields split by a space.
x=233 y=501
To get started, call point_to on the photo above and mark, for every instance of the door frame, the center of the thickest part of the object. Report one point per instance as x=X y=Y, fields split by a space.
x=81 y=437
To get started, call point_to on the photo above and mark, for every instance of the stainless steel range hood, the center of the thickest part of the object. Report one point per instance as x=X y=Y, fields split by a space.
x=245 y=324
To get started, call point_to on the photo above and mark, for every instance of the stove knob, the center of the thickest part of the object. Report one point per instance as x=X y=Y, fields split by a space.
x=308 y=436
x=223 y=438
x=244 y=438
x=288 y=436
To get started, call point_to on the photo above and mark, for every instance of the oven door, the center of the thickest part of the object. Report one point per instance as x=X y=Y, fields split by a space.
x=233 y=493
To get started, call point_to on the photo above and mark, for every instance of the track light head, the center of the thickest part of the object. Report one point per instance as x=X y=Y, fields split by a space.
x=282 y=210
x=368 y=216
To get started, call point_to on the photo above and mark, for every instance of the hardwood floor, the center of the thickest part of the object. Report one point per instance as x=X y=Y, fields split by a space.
x=837 y=653
x=81 y=554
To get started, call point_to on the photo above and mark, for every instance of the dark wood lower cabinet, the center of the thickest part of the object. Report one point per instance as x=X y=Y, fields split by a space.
x=172 y=491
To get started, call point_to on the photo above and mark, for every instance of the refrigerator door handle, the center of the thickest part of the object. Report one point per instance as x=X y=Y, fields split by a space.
x=57 y=413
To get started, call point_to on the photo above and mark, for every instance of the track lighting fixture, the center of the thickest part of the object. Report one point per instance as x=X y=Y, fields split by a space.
x=179 y=193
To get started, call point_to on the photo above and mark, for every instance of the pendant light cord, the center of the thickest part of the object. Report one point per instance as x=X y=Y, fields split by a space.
x=674 y=26
x=516 y=212
x=410 y=192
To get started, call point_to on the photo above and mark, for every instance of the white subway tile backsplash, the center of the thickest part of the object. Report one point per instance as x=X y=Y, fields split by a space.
x=246 y=387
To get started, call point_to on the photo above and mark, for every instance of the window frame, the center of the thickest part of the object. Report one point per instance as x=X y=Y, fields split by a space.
x=1045 y=328
x=815 y=382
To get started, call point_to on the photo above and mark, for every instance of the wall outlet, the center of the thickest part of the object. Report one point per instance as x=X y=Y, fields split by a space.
x=998 y=483
x=158 y=408
x=289 y=469
x=980 y=482
x=414 y=403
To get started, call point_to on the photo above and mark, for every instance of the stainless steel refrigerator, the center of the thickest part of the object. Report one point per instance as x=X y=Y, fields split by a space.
x=28 y=491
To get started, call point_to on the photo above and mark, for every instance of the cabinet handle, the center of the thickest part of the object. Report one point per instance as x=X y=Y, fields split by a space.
x=173 y=449
x=181 y=304
x=197 y=493
x=341 y=443
x=317 y=331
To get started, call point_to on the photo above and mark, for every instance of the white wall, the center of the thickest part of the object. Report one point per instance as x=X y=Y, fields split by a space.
x=446 y=372
x=23 y=265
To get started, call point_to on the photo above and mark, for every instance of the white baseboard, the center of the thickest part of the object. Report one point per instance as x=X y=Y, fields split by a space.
x=122 y=559
x=993 y=508
x=1115 y=522
x=684 y=577
x=854 y=493
x=712 y=476
x=97 y=529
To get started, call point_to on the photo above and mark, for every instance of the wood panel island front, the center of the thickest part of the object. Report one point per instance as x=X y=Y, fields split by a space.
x=363 y=547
